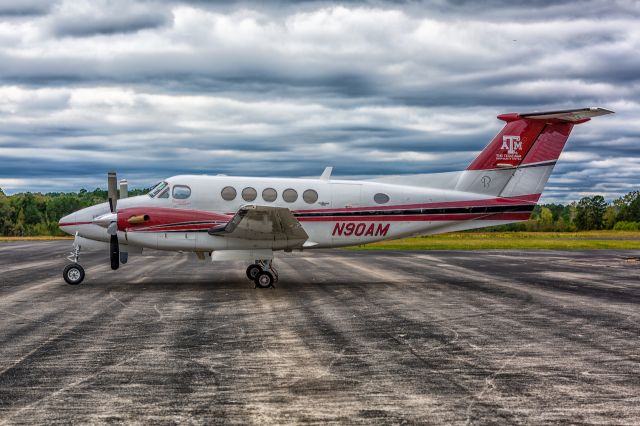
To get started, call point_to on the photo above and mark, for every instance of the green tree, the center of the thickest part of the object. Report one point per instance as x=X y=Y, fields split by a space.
x=628 y=207
x=609 y=218
x=590 y=213
x=6 y=213
x=545 y=219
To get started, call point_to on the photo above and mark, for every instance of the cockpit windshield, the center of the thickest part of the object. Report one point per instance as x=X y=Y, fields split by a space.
x=156 y=189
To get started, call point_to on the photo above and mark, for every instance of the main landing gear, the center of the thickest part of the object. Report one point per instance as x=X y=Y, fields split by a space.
x=73 y=274
x=263 y=274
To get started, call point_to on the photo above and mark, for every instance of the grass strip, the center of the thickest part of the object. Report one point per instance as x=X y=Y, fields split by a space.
x=591 y=240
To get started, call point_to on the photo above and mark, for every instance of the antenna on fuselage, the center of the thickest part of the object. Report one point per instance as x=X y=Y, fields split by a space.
x=326 y=175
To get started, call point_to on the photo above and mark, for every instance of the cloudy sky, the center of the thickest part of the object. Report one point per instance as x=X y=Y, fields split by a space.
x=156 y=88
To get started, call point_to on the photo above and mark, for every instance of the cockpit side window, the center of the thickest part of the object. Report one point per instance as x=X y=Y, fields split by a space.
x=156 y=189
x=164 y=194
x=181 y=192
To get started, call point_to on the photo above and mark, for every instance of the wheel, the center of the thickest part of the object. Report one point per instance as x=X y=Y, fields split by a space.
x=253 y=271
x=264 y=279
x=73 y=274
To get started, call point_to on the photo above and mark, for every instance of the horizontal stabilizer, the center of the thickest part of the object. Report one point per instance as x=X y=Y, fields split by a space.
x=568 y=115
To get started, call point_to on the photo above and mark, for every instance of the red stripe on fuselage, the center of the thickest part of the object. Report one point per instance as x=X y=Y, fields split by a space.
x=421 y=218
x=180 y=228
x=521 y=199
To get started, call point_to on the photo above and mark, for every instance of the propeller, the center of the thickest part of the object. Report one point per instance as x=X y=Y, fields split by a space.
x=112 y=229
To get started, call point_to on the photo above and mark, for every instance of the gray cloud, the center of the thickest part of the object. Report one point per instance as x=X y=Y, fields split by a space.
x=78 y=19
x=23 y=8
x=154 y=88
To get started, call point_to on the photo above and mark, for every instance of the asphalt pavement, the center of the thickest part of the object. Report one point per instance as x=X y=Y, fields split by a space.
x=345 y=337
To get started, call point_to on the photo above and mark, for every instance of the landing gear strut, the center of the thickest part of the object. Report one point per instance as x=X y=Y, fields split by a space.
x=73 y=274
x=263 y=274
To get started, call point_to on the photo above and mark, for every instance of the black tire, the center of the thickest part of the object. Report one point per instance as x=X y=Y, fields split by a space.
x=253 y=271
x=73 y=274
x=264 y=280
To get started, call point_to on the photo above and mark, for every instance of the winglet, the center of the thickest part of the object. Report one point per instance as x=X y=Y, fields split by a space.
x=326 y=175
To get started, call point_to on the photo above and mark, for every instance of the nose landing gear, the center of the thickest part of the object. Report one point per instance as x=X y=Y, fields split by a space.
x=263 y=274
x=73 y=274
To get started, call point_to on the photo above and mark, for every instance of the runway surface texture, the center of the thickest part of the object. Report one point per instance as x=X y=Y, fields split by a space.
x=346 y=337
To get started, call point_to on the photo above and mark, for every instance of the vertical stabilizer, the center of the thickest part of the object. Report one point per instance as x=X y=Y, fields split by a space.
x=520 y=158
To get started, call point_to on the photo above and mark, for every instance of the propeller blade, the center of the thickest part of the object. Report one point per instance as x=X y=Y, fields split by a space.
x=114 y=252
x=124 y=188
x=112 y=188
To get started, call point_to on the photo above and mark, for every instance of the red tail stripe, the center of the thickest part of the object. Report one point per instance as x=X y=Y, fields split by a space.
x=550 y=143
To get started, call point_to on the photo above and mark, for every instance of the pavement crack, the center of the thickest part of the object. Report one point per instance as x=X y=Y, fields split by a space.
x=490 y=384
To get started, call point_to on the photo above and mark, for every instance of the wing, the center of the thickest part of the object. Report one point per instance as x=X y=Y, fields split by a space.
x=254 y=222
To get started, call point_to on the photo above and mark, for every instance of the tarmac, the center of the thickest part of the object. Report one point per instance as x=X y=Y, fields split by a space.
x=350 y=337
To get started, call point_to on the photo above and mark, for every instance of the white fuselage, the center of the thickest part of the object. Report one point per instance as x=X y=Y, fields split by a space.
x=345 y=213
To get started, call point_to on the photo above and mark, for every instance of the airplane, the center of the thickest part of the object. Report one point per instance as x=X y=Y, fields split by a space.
x=225 y=218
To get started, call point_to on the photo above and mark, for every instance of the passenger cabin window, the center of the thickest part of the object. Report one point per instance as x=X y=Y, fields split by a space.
x=181 y=192
x=289 y=195
x=249 y=194
x=310 y=196
x=156 y=189
x=381 y=198
x=228 y=193
x=269 y=195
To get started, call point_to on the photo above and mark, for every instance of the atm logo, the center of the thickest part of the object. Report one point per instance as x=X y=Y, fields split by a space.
x=513 y=147
x=512 y=144
x=360 y=229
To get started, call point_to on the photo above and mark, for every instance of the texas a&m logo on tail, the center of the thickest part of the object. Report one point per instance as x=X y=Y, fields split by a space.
x=511 y=149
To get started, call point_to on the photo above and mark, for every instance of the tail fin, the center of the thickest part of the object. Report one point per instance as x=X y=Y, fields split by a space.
x=531 y=138
x=533 y=141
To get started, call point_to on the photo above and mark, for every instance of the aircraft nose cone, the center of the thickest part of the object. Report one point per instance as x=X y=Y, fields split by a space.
x=68 y=223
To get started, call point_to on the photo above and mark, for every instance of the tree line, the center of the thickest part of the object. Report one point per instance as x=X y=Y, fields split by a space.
x=588 y=214
x=30 y=214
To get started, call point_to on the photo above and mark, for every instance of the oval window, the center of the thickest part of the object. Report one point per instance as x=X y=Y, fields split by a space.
x=228 y=193
x=310 y=196
x=181 y=192
x=381 y=198
x=249 y=194
x=269 y=194
x=289 y=195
